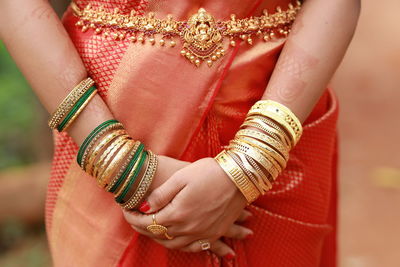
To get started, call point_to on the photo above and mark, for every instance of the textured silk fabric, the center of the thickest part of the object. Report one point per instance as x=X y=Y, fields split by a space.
x=183 y=112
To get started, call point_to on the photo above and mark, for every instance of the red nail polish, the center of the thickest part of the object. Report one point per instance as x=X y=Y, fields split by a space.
x=250 y=235
x=229 y=256
x=144 y=206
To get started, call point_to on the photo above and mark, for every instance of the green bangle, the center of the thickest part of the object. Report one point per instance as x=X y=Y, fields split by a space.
x=75 y=108
x=120 y=198
x=128 y=168
x=91 y=136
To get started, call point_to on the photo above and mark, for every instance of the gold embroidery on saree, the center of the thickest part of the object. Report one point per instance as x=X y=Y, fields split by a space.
x=202 y=36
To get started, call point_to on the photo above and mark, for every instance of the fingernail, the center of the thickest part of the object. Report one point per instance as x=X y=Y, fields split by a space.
x=229 y=256
x=144 y=207
x=249 y=235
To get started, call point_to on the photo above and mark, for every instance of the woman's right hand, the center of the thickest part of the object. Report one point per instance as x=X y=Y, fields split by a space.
x=167 y=166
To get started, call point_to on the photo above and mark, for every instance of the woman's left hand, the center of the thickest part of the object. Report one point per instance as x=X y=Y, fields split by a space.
x=198 y=202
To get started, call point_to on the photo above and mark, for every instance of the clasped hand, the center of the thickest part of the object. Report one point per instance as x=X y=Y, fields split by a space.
x=198 y=202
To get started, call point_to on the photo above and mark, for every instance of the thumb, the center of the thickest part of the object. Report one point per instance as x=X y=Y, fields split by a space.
x=162 y=195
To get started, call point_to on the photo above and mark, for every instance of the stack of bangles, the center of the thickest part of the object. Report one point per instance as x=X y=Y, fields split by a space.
x=120 y=164
x=253 y=159
x=260 y=149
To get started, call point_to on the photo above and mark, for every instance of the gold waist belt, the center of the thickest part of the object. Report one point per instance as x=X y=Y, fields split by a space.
x=201 y=35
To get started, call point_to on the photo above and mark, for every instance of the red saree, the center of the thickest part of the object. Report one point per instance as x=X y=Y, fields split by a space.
x=189 y=113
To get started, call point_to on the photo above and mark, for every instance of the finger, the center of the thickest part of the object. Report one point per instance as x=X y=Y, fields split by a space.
x=238 y=232
x=222 y=250
x=137 y=219
x=140 y=221
x=244 y=216
x=161 y=196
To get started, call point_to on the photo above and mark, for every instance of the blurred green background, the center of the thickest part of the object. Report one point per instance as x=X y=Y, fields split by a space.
x=25 y=149
x=25 y=155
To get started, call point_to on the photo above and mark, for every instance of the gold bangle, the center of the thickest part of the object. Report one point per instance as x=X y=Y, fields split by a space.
x=126 y=182
x=69 y=102
x=280 y=114
x=269 y=141
x=80 y=109
x=115 y=126
x=124 y=166
x=106 y=154
x=266 y=161
x=88 y=166
x=116 y=147
x=267 y=130
x=270 y=126
x=249 y=171
x=144 y=184
x=263 y=148
x=237 y=176
x=264 y=177
x=115 y=162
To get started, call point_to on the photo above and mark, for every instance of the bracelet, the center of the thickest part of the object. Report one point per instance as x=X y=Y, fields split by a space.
x=123 y=168
x=88 y=166
x=77 y=109
x=270 y=126
x=234 y=172
x=120 y=195
x=282 y=149
x=107 y=155
x=108 y=159
x=281 y=115
x=90 y=137
x=260 y=185
x=128 y=169
x=144 y=184
x=266 y=161
x=260 y=178
x=69 y=101
x=264 y=148
x=115 y=162
x=263 y=176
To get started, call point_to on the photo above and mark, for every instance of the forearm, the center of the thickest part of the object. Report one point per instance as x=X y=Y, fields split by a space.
x=315 y=47
x=39 y=44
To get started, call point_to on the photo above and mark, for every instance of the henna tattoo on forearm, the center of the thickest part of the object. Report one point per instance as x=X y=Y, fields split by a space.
x=287 y=82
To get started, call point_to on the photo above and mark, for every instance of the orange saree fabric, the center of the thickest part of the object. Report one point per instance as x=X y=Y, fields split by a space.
x=189 y=113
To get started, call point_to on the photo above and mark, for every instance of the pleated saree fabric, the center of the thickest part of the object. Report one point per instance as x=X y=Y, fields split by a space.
x=189 y=113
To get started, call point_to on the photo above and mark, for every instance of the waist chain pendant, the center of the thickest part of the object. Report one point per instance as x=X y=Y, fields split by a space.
x=202 y=40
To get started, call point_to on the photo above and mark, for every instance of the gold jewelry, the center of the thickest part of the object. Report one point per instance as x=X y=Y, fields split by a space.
x=261 y=178
x=264 y=177
x=263 y=148
x=261 y=186
x=107 y=154
x=115 y=162
x=266 y=161
x=202 y=35
x=88 y=166
x=205 y=244
x=236 y=174
x=158 y=229
x=144 y=184
x=269 y=141
x=269 y=126
x=69 y=102
x=112 y=127
x=80 y=109
x=281 y=115
x=126 y=182
x=122 y=169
